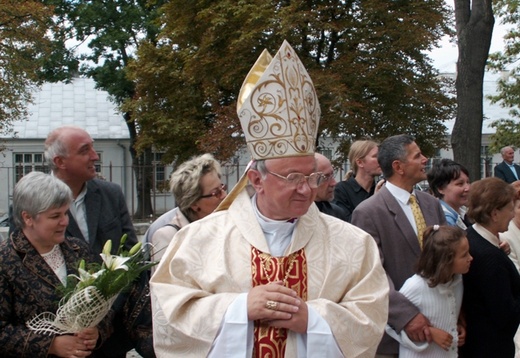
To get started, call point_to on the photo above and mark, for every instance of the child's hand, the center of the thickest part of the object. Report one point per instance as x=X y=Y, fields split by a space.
x=442 y=338
x=462 y=334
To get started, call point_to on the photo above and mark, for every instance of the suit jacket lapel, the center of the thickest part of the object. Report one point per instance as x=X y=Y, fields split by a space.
x=34 y=262
x=93 y=210
x=510 y=177
x=73 y=228
x=517 y=169
x=401 y=220
x=428 y=211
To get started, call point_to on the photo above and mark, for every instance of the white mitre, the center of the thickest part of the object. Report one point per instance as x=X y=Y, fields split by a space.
x=278 y=110
x=278 y=107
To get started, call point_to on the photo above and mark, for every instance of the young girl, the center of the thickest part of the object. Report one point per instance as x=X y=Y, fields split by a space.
x=436 y=290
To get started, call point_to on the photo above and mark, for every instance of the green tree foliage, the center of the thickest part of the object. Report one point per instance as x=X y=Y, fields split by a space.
x=31 y=50
x=507 y=129
x=366 y=58
x=507 y=134
x=113 y=31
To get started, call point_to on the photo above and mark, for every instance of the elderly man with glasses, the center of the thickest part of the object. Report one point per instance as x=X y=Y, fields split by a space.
x=325 y=191
x=267 y=274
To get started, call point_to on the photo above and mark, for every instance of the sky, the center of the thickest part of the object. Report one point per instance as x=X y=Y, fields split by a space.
x=445 y=57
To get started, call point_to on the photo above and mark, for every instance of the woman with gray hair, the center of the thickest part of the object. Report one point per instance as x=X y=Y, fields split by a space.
x=34 y=263
x=198 y=190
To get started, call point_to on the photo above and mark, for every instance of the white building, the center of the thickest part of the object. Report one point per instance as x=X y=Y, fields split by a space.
x=58 y=104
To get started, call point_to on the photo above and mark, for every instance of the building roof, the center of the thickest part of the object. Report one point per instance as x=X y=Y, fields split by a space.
x=77 y=103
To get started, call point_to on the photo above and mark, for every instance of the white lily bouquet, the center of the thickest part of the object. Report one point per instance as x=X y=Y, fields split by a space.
x=87 y=298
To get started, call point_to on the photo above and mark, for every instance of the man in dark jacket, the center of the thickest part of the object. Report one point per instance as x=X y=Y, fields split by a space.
x=507 y=170
x=97 y=214
x=325 y=192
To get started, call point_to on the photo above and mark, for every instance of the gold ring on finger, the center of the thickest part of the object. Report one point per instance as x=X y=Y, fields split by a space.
x=271 y=305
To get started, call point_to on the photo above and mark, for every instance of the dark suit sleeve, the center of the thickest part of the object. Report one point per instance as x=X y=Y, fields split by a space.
x=126 y=221
x=401 y=310
x=499 y=172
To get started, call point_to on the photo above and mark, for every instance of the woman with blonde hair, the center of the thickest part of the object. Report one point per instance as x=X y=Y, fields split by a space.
x=359 y=183
x=198 y=190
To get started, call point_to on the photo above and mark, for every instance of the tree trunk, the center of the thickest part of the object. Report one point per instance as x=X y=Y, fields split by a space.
x=474 y=24
x=142 y=166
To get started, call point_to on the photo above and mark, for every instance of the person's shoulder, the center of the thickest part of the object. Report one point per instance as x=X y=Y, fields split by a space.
x=216 y=219
x=415 y=280
x=164 y=219
x=341 y=227
x=103 y=185
x=500 y=165
x=373 y=202
x=343 y=184
x=165 y=231
x=108 y=190
x=423 y=195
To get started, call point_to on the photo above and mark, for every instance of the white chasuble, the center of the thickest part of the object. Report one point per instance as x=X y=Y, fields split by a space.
x=208 y=265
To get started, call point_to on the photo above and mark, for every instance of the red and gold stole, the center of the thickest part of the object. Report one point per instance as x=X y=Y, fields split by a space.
x=292 y=270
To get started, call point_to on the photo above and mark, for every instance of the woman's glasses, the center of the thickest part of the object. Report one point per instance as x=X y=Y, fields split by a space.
x=216 y=193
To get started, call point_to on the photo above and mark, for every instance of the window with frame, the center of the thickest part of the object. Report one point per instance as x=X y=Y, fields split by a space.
x=25 y=163
x=327 y=152
x=99 y=163
x=161 y=183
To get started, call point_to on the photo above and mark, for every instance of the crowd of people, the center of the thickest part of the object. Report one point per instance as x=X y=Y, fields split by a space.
x=291 y=262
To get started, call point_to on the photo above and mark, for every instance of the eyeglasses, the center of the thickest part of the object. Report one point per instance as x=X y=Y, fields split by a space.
x=217 y=193
x=326 y=177
x=296 y=180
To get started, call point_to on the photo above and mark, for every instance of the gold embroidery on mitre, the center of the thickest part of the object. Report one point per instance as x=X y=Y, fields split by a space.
x=278 y=109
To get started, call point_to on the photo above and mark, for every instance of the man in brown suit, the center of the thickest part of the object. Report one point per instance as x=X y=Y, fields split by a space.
x=388 y=217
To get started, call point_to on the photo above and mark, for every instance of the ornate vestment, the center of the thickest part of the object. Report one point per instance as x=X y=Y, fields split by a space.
x=209 y=264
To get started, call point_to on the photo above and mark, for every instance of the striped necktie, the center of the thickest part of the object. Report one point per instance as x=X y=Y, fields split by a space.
x=419 y=218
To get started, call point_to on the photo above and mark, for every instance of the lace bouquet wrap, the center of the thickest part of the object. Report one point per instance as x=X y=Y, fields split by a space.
x=88 y=297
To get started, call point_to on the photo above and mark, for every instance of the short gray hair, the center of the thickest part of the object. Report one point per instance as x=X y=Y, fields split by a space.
x=503 y=149
x=37 y=192
x=55 y=145
x=261 y=167
x=185 y=182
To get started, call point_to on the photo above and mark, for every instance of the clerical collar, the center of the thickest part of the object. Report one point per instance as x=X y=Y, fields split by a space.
x=278 y=233
x=268 y=220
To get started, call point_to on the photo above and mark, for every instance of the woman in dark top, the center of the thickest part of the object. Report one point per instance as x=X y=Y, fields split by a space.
x=34 y=263
x=492 y=286
x=359 y=182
